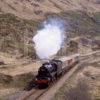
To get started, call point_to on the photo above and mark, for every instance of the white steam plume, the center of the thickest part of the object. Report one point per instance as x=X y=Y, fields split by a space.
x=50 y=38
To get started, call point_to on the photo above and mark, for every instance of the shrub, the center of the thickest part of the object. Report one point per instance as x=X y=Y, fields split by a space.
x=80 y=92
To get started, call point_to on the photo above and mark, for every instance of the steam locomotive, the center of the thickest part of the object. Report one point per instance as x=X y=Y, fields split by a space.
x=52 y=70
x=49 y=72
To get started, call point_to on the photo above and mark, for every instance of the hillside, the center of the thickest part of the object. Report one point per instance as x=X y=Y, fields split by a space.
x=84 y=84
x=19 y=22
x=38 y=9
x=16 y=34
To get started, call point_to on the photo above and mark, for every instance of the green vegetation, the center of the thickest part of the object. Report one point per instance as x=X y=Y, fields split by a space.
x=16 y=35
x=22 y=80
x=60 y=95
x=80 y=92
x=5 y=79
x=77 y=87
x=18 y=81
x=97 y=17
x=82 y=24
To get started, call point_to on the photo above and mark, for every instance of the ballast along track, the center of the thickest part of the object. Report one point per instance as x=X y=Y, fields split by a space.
x=32 y=95
x=47 y=94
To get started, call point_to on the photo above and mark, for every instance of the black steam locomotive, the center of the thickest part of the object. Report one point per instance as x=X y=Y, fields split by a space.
x=48 y=72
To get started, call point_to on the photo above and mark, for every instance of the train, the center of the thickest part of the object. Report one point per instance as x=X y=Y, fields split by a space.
x=53 y=69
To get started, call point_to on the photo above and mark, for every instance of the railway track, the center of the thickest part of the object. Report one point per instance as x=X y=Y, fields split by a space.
x=36 y=94
x=41 y=94
x=33 y=95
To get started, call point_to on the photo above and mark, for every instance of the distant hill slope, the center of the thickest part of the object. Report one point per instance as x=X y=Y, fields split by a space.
x=37 y=9
x=19 y=20
x=16 y=35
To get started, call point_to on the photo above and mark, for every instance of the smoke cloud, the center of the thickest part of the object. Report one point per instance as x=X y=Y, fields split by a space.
x=50 y=38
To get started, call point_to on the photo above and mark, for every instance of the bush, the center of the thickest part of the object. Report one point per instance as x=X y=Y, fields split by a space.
x=16 y=35
x=80 y=92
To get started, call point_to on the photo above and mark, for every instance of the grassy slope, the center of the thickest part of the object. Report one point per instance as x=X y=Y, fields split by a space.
x=82 y=85
x=16 y=35
x=83 y=24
